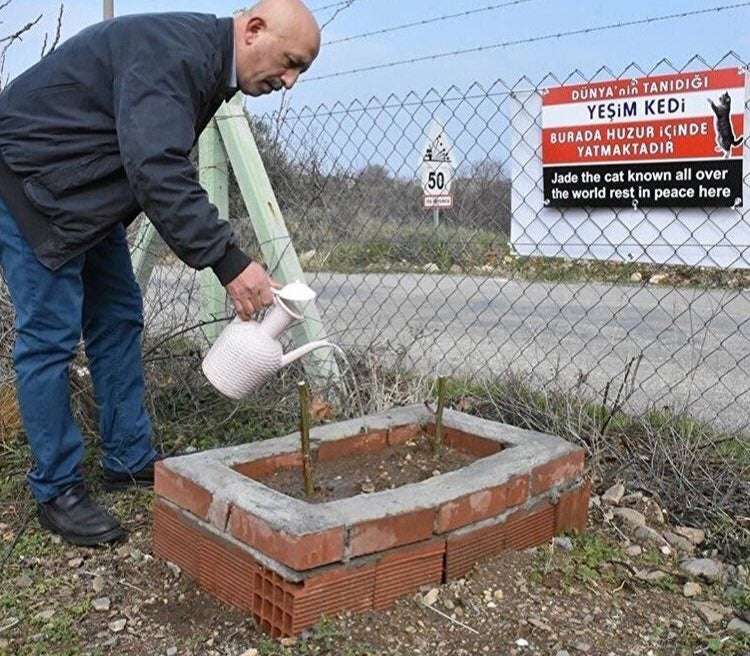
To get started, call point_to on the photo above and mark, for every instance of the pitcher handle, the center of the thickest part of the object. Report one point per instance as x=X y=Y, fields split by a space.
x=277 y=299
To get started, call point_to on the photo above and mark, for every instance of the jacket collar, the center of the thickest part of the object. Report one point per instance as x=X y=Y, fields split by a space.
x=229 y=85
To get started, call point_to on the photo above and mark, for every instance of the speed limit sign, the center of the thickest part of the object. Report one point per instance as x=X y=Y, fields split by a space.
x=436 y=168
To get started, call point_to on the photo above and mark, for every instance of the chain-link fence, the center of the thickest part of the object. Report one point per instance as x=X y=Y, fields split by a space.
x=551 y=325
x=485 y=291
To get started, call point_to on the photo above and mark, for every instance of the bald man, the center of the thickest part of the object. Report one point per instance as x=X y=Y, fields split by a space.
x=96 y=132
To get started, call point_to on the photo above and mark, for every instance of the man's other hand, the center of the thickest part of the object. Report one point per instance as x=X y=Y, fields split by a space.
x=251 y=291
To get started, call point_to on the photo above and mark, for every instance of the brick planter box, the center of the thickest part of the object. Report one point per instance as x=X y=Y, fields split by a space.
x=290 y=562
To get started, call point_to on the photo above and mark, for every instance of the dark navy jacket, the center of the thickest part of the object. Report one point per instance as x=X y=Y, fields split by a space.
x=102 y=128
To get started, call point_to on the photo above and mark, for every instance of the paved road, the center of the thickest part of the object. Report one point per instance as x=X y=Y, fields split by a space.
x=695 y=343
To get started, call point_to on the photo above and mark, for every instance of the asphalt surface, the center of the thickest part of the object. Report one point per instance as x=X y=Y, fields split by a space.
x=694 y=343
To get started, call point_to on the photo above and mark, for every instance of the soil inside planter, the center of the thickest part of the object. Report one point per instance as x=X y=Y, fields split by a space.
x=348 y=476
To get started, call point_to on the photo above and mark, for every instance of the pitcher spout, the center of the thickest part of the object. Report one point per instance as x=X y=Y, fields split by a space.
x=296 y=354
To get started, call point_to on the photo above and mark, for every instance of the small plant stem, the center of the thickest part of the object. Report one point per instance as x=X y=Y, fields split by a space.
x=304 y=431
x=438 y=445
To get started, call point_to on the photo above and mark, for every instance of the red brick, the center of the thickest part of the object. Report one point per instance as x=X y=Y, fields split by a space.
x=226 y=571
x=400 y=434
x=285 y=608
x=181 y=491
x=174 y=540
x=556 y=472
x=463 y=551
x=273 y=602
x=388 y=532
x=220 y=567
x=371 y=442
x=406 y=570
x=225 y=568
x=267 y=466
x=573 y=509
x=477 y=506
x=334 y=592
x=521 y=530
x=530 y=528
x=300 y=552
x=480 y=447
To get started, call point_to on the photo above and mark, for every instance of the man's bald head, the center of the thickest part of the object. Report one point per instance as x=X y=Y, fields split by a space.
x=275 y=41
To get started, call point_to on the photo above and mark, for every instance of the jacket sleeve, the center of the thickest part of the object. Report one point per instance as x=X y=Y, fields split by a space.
x=155 y=118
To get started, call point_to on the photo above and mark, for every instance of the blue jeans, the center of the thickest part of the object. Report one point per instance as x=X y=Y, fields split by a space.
x=94 y=295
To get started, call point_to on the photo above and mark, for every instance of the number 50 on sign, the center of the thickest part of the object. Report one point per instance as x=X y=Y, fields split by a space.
x=436 y=168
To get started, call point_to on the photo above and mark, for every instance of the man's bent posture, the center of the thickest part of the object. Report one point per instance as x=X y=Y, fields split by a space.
x=96 y=132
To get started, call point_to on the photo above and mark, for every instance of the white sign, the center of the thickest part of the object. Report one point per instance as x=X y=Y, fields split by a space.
x=616 y=234
x=436 y=168
x=660 y=141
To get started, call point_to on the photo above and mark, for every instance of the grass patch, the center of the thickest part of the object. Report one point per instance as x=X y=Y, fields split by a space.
x=739 y=599
x=56 y=634
x=728 y=645
x=325 y=640
x=404 y=247
x=581 y=565
x=668 y=584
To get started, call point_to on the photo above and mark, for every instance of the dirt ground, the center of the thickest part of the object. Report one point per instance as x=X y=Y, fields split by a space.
x=576 y=598
x=392 y=467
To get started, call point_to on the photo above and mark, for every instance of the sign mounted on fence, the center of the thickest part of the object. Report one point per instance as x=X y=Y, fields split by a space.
x=436 y=168
x=664 y=141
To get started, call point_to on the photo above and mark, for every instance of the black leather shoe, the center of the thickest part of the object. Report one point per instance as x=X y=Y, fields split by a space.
x=78 y=519
x=114 y=481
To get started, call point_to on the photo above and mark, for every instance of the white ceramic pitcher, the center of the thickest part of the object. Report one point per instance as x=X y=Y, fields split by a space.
x=247 y=353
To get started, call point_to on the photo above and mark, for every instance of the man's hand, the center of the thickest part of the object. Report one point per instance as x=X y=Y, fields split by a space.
x=251 y=291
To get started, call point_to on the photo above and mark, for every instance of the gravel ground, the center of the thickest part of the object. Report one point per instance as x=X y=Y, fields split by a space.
x=586 y=595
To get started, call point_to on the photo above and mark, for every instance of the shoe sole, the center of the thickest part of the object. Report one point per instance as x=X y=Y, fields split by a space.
x=114 y=535
x=119 y=486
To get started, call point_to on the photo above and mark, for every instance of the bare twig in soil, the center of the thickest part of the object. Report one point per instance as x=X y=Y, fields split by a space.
x=304 y=432
x=16 y=540
x=619 y=399
x=134 y=587
x=451 y=619
x=7 y=626
x=620 y=587
x=438 y=443
x=622 y=563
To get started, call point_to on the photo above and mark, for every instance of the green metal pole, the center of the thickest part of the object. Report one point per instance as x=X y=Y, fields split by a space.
x=270 y=229
x=213 y=171
x=144 y=252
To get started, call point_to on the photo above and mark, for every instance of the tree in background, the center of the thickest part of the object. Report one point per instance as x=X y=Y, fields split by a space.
x=9 y=40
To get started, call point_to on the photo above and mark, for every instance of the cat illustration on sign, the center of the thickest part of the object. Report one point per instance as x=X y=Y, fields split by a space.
x=725 y=139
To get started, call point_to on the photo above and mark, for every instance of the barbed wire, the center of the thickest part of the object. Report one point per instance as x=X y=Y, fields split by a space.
x=534 y=39
x=342 y=6
x=346 y=6
x=427 y=21
x=315 y=10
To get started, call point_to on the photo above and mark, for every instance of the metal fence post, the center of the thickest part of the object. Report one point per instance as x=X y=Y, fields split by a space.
x=144 y=253
x=270 y=229
x=214 y=176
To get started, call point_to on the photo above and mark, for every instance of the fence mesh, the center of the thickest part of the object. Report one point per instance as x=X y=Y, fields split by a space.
x=559 y=311
x=482 y=293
